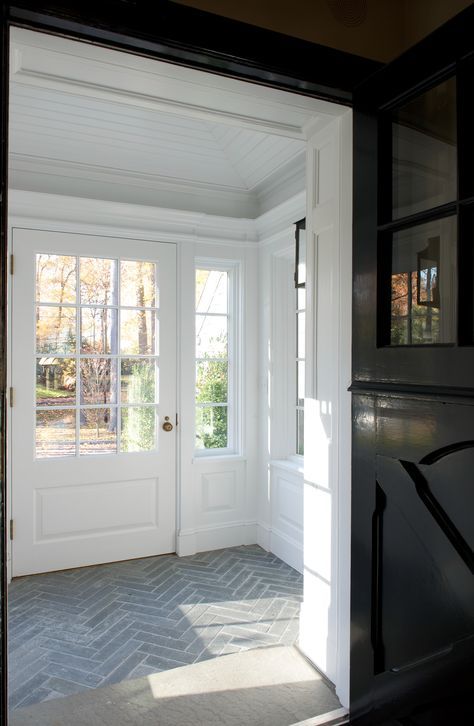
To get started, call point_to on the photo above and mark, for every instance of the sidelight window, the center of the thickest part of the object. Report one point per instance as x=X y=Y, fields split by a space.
x=215 y=321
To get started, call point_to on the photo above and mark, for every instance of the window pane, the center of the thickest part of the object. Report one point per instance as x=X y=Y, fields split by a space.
x=138 y=284
x=98 y=380
x=301 y=298
x=423 y=284
x=139 y=380
x=55 y=279
x=56 y=381
x=55 y=434
x=98 y=278
x=138 y=429
x=211 y=382
x=211 y=336
x=55 y=330
x=98 y=431
x=424 y=151
x=300 y=432
x=300 y=377
x=98 y=330
x=301 y=272
x=211 y=427
x=301 y=334
x=211 y=291
x=138 y=332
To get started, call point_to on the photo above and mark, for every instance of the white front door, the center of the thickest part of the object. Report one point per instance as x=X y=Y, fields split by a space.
x=93 y=369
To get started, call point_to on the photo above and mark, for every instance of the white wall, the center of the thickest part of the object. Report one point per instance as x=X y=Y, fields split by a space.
x=280 y=477
x=216 y=495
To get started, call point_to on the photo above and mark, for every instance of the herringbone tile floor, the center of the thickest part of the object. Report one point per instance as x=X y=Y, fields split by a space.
x=79 y=629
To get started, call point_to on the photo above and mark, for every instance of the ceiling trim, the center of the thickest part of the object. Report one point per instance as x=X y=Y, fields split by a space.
x=53 y=175
x=81 y=69
x=57 y=212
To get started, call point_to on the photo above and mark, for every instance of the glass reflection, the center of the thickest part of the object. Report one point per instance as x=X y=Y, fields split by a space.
x=138 y=428
x=423 y=284
x=424 y=151
x=139 y=378
x=211 y=291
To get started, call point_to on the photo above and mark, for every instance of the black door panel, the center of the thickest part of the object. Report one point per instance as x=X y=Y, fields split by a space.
x=412 y=592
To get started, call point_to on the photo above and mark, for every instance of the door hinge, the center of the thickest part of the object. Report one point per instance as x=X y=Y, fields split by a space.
x=11 y=528
x=12 y=264
x=176 y=419
x=10 y=396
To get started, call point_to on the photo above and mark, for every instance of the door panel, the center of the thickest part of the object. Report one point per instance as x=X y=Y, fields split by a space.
x=412 y=591
x=93 y=376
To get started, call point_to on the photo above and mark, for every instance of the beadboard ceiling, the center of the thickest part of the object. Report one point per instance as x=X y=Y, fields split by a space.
x=90 y=122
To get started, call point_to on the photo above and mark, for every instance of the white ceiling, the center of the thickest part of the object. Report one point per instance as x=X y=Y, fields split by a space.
x=89 y=122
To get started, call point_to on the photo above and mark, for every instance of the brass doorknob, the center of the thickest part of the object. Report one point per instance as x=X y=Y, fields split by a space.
x=167 y=426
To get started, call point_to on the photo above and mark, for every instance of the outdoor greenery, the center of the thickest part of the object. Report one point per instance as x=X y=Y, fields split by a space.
x=138 y=424
x=212 y=378
x=211 y=421
x=102 y=381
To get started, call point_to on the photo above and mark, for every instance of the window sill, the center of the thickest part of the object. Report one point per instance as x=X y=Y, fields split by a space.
x=218 y=457
x=295 y=465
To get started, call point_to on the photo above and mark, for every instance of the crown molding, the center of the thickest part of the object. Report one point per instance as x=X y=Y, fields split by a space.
x=57 y=212
x=278 y=220
x=282 y=184
x=55 y=176
x=89 y=216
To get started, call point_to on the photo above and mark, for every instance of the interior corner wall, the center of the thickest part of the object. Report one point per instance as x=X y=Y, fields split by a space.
x=280 y=477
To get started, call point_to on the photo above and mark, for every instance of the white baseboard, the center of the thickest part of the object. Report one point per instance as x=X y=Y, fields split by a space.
x=287 y=549
x=216 y=537
x=186 y=543
x=284 y=547
x=263 y=536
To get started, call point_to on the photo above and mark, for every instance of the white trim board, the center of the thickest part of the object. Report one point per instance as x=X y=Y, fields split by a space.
x=57 y=212
x=84 y=69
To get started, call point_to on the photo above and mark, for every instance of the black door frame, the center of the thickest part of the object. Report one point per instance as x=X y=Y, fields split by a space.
x=182 y=36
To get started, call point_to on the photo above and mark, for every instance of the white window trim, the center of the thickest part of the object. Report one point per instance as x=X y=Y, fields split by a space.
x=284 y=358
x=234 y=357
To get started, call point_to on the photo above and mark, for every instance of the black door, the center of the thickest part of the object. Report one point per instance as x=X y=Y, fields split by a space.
x=412 y=649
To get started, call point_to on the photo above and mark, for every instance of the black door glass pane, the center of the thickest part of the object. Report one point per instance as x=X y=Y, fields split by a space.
x=424 y=151
x=423 y=284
